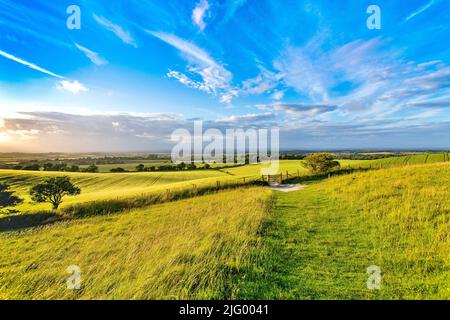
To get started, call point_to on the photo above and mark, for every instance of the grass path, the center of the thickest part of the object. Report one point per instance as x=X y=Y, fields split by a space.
x=319 y=241
x=314 y=251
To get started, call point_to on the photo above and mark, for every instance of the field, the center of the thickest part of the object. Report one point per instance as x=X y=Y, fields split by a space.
x=316 y=243
x=188 y=249
x=322 y=239
x=111 y=186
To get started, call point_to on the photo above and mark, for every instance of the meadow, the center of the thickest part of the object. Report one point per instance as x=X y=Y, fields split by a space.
x=315 y=243
x=131 y=185
x=320 y=241
x=182 y=250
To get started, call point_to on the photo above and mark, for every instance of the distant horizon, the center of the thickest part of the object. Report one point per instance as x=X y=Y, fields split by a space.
x=167 y=152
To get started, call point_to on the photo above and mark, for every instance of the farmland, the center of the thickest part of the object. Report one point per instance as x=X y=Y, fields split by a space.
x=314 y=243
x=109 y=186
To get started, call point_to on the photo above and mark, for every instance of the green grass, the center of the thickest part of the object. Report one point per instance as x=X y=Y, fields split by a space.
x=130 y=165
x=107 y=186
x=407 y=160
x=314 y=243
x=190 y=249
x=320 y=241
x=123 y=186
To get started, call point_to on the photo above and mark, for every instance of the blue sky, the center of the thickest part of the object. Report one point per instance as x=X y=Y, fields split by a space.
x=137 y=70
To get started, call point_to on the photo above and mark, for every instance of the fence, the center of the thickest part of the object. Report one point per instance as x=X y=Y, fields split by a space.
x=275 y=179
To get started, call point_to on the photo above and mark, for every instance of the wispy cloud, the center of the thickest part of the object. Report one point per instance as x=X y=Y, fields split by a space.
x=420 y=10
x=232 y=7
x=251 y=119
x=199 y=13
x=122 y=34
x=93 y=56
x=29 y=64
x=298 y=110
x=74 y=87
x=214 y=78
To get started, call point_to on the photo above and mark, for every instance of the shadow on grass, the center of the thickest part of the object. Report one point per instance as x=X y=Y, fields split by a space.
x=23 y=221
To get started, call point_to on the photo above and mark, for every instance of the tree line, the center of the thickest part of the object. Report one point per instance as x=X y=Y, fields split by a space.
x=61 y=167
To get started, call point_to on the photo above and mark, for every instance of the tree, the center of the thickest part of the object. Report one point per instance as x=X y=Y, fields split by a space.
x=92 y=169
x=53 y=190
x=7 y=199
x=48 y=166
x=320 y=162
x=32 y=167
x=140 y=168
x=74 y=168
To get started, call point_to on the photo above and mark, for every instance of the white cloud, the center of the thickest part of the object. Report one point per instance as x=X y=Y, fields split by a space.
x=74 y=87
x=29 y=64
x=265 y=81
x=278 y=95
x=252 y=118
x=122 y=34
x=298 y=110
x=199 y=13
x=93 y=56
x=214 y=78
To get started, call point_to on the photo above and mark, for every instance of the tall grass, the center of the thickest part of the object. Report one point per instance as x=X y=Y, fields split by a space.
x=190 y=249
x=407 y=211
x=117 y=205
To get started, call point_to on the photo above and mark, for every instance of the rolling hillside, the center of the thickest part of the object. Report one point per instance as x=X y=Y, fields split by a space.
x=315 y=243
x=322 y=239
x=190 y=249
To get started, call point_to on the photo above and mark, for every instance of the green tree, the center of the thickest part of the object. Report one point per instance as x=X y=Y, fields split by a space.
x=32 y=167
x=140 y=168
x=320 y=162
x=92 y=169
x=53 y=190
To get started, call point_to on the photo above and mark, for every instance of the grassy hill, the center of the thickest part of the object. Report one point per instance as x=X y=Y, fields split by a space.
x=322 y=239
x=314 y=243
x=193 y=248
x=104 y=186
x=111 y=186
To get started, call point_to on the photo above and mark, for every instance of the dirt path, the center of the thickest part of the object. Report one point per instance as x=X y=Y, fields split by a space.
x=288 y=187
